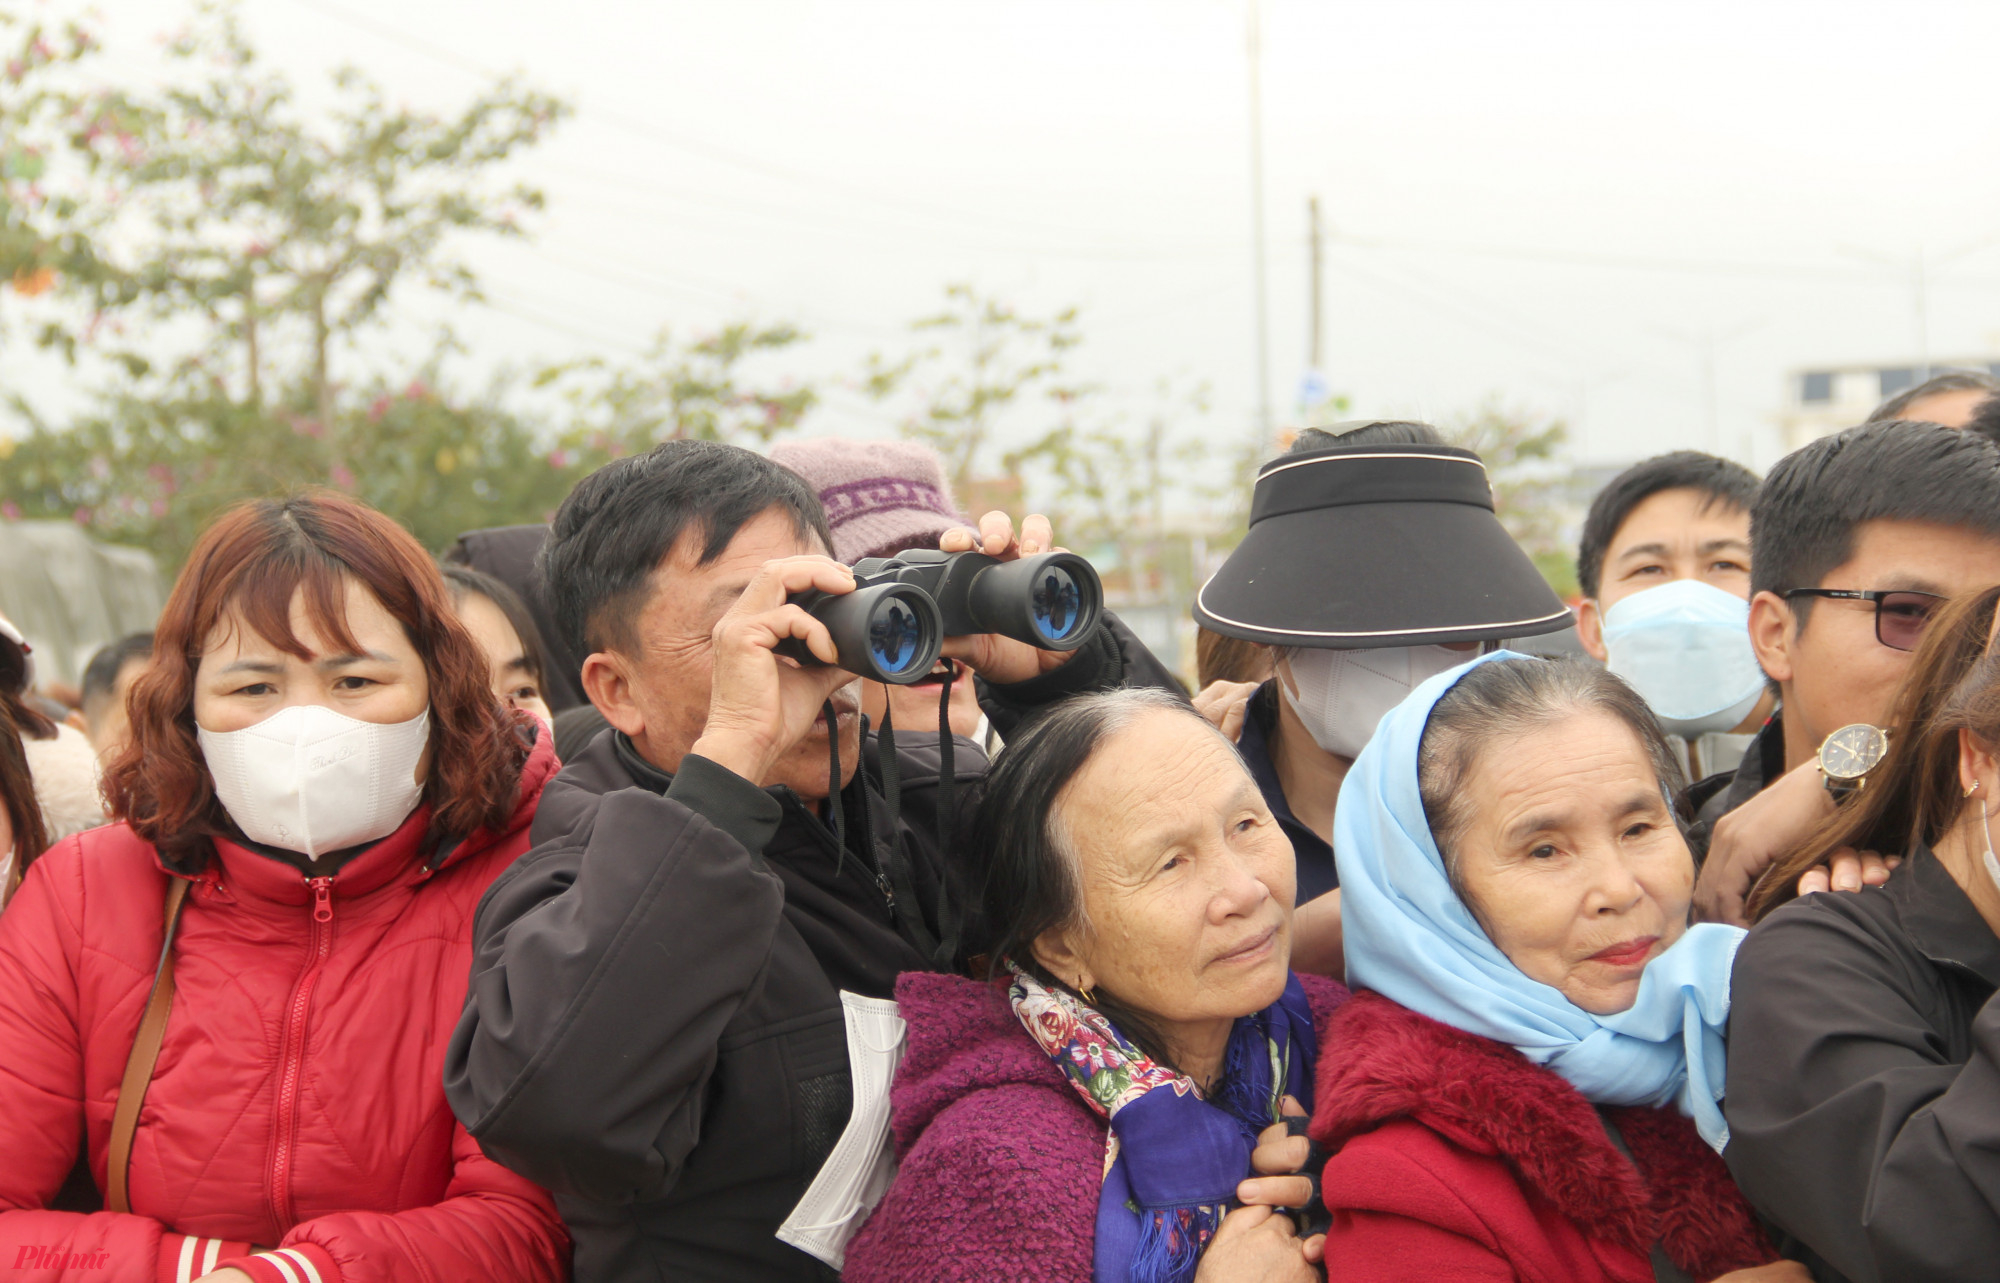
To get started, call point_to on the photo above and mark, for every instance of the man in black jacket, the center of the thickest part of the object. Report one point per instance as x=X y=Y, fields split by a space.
x=1854 y=538
x=653 y=1028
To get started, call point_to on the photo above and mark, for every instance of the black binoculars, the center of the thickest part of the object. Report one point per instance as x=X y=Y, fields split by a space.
x=893 y=625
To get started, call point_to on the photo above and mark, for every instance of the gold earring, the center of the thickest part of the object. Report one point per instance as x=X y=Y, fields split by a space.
x=1972 y=788
x=1089 y=992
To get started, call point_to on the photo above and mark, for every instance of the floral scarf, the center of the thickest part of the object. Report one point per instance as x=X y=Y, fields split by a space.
x=1173 y=1158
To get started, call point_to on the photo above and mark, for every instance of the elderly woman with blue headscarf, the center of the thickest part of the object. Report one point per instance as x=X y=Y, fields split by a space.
x=1528 y=1087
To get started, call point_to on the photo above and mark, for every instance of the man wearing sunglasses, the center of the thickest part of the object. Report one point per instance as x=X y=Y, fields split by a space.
x=1856 y=540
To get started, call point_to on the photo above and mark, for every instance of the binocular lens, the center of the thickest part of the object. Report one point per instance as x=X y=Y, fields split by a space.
x=895 y=636
x=1056 y=604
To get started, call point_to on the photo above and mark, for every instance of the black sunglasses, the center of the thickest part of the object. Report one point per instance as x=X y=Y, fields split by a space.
x=1900 y=617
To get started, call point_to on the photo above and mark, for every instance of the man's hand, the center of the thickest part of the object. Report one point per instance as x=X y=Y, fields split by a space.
x=998 y=659
x=1255 y=1245
x=761 y=703
x=1849 y=870
x=1754 y=836
x=1762 y=831
x=1225 y=704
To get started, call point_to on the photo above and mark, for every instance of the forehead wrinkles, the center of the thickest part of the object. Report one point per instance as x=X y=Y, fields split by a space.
x=1518 y=786
x=1148 y=780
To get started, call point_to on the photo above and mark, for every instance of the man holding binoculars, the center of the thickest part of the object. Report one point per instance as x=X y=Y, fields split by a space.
x=654 y=1028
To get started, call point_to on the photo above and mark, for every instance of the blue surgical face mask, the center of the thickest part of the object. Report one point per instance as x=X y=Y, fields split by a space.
x=1685 y=647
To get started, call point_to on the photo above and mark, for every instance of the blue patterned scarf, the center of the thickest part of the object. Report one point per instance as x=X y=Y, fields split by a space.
x=1174 y=1158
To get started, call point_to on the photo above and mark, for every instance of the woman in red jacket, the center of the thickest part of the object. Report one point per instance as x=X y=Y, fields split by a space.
x=321 y=784
x=1528 y=1088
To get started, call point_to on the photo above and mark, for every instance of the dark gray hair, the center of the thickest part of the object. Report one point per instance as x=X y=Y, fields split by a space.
x=1022 y=859
x=1505 y=699
x=621 y=521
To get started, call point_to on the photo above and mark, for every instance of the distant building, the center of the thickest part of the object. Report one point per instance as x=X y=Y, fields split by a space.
x=1828 y=398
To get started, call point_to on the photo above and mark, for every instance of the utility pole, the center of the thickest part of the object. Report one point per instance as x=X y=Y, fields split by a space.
x=1313 y=391
x=1265 y=428
x=1920 y=265
x=1705 y=341
x=1923 y=300
x=1315 y=363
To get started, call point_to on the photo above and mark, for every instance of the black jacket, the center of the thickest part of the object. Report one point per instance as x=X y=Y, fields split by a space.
x=653 y=1028
x=1719 y=794
x=1864 y=1079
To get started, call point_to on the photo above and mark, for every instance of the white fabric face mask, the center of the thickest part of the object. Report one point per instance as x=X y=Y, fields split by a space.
x=311 y=780
x=1343 y=694
x=1685 y=647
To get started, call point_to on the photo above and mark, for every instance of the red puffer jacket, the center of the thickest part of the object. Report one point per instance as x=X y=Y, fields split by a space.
x=298 y=1101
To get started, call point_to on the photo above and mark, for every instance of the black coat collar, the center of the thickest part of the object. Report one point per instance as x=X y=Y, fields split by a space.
x=1941 y=919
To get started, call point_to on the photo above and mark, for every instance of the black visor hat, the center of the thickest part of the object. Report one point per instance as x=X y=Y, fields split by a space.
x=1367 y=546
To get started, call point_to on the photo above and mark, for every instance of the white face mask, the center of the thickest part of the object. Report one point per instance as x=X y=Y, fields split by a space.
x=311 y=780
x=1343 y=694
x=1685 y=647
x=1992 y=860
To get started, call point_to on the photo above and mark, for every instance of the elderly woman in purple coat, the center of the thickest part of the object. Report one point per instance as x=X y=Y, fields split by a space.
x=1089 y=1112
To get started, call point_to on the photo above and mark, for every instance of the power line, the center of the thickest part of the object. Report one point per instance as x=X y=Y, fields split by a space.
x=1632 y=262
x=671 y=138
x=622 y=189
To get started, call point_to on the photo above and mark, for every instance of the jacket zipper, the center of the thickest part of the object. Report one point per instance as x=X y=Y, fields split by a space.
x=291 y=1063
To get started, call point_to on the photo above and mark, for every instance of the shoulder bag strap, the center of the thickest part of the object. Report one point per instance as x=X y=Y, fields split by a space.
x=145 y=1053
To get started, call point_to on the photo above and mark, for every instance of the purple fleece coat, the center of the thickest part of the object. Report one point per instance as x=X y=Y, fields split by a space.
x=1001 y=1160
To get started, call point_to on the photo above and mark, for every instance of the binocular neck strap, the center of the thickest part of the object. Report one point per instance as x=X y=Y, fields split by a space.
x=947 y=954
x=835 y=801
x=942 y=952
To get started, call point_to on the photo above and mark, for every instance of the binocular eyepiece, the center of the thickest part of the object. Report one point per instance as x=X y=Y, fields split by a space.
x=892 y=627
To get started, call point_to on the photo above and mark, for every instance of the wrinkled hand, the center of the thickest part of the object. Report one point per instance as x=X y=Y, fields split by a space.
x=761 y=703
x=1224 y=704
x=1279 y=1160
x=1257 y=1245
x=1002 y=659
x=1775 y=1272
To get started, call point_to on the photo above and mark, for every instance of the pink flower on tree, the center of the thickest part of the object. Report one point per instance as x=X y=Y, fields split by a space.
x=342 y=478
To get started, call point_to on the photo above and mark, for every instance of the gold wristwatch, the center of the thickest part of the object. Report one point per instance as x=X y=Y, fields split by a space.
x=1847 y=755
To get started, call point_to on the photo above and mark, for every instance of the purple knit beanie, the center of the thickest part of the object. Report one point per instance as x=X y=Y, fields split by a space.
x=880 y=496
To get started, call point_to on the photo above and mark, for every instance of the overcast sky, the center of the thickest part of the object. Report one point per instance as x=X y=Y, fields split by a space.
x=1551 y=203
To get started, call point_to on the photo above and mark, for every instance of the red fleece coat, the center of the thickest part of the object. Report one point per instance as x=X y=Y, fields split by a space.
x=298 y=1101
x=1455 y=1157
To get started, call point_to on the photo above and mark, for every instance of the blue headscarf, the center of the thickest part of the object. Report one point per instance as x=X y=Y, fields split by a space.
x=1409 y=937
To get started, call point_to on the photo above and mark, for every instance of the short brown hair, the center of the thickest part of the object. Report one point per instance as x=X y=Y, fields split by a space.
x=1912 y=795
x=253 y=561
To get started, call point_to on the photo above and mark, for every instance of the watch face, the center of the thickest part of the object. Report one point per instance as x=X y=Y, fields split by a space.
x=1852 y=751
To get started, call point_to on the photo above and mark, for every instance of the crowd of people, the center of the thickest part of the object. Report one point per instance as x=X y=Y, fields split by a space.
x=561 y=908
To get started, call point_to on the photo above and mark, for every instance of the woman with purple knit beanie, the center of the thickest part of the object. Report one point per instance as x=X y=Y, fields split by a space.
x=1088 y=1114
